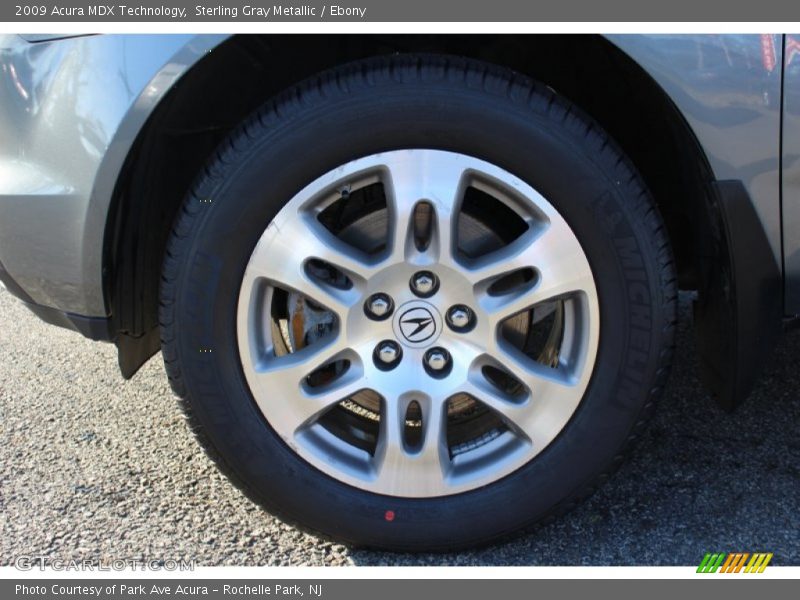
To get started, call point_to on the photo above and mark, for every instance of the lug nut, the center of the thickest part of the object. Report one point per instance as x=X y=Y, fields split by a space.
x=387 y=354
x=379 y=307
x=460 y=318
x=424 y=284
x=437 y=362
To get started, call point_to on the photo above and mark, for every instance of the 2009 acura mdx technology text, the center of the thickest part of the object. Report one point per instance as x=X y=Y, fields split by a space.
x=414 y=292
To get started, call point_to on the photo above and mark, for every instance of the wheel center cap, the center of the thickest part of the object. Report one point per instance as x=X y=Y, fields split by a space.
x=417 y=324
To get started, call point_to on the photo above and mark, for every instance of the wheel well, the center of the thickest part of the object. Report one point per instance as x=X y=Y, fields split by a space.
x=239 y=75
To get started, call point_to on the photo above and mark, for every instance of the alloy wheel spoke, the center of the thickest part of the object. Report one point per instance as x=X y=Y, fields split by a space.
x=560 y=269
x=535 y=416
x=396 y=463
x=525 y=369
x=286 y=376
x=311 y=405
x=282 y=256
x=515 y=414
x=296 y=366
x=424 y=176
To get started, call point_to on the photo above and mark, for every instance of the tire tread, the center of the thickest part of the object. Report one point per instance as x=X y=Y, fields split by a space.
x=373 y=72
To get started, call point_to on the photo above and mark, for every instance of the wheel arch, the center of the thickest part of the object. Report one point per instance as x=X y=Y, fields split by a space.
x=181 y=133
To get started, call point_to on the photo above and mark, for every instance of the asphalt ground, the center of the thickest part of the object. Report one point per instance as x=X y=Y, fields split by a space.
x=95 y=467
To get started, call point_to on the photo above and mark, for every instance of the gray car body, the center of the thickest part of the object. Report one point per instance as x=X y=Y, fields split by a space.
x=71 y=110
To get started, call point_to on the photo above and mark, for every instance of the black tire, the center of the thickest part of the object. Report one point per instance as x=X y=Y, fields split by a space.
x=438 y=103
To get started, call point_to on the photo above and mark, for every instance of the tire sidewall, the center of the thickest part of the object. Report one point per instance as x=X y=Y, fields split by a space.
x=274 y=158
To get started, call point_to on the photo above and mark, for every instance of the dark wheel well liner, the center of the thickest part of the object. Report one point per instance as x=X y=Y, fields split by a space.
x=221 y=90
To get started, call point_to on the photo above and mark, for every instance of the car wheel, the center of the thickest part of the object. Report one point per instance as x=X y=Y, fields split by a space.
x=418 y=303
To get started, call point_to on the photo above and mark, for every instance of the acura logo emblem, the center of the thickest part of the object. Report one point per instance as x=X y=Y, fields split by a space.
x=417 y=325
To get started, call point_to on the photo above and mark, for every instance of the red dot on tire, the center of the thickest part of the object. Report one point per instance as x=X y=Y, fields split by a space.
x=389 y=516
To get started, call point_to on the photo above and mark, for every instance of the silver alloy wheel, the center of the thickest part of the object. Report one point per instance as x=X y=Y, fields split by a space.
x=545 y=395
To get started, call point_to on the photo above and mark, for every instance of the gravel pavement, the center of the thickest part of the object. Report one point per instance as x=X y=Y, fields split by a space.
x=95 y=467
